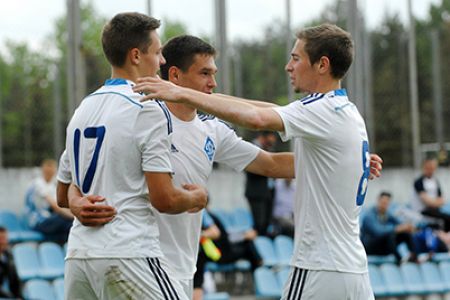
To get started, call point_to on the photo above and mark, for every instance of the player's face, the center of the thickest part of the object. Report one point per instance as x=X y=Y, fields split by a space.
x=201 y=75
x=302 y=74
x=153 y=59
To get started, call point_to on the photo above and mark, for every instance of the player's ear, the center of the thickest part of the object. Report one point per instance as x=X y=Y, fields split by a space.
x=174 y=74
x=323 y=65
x=134 y=55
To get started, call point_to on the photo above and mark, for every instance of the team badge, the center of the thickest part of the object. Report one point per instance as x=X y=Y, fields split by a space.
x=209 y=148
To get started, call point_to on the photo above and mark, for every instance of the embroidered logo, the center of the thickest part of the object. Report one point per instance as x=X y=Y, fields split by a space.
x=209 y=148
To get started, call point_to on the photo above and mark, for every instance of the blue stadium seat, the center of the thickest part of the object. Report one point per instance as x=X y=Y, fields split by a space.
x=266 y=284
x=16 y=231
x=26 y=260
x=221 y=268
x=413 y=280
x=441 y=256
x=216 y=296
x=376 y=280
x=444 y=268
x=225 y=217
x=52 y=260
x=38 y=289
x=58 y=286
x=242 y=219
x=393 y=280
x=432 y=278
x=284 y=248
x=283 y=276
x=380 y=259
x=266 y=250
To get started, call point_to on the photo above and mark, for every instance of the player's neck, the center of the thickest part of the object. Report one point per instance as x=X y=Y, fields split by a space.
x=124 y=74
x=183 y=112
x=325 y=85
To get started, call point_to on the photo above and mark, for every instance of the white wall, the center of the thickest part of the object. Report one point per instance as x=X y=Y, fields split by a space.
x=226 y=187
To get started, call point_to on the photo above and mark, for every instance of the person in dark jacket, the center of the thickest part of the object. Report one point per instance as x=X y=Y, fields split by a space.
x=8 y=271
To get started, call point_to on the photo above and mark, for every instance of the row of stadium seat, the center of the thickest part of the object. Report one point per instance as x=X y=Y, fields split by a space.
x=39 y=289
x=43 y=261
x=274 y=253
x=390 y=280
x=269 y=283
x=18 y=230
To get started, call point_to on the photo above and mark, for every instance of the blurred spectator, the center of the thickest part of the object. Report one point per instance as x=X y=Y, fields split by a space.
x=382 y=232
x=231 y=251
x=283 y=213
x=428 y=197
x=45 y=215
x=259 y=189
x=9 y=281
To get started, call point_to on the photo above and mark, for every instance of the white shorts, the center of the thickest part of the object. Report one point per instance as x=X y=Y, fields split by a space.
x=117 y=279
x=305 y=284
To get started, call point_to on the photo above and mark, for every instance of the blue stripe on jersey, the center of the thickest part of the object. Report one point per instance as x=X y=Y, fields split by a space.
x=115 y=93
x=76 y=147
x=205 y=117
x=115 y=81
x=310 y=96
x=313 y=99
x=340 y=92
x=167 y=114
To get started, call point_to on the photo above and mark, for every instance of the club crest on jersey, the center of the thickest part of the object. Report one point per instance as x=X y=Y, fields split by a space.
x=209 y=148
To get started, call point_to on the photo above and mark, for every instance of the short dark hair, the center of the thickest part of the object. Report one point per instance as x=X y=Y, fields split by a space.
x=330 y=41
x=124 y=32
x=385 y=194
x=180 y=51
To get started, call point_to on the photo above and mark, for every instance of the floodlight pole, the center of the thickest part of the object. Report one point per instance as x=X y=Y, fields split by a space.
x=414 y=93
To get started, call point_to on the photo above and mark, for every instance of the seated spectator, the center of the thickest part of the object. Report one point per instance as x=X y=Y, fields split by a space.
x=45 y=215
x=283 y=213
x=428 y=197
x=231 y=251
x=8 y=273
x=382 y=232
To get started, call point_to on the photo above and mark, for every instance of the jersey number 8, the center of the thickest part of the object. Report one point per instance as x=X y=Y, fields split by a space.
x=363 y=182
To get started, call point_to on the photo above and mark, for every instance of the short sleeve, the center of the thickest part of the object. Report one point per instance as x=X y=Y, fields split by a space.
x=233 y=150
x=152 y=130
x=64 y=175
x=299 y=120
x=418 y=185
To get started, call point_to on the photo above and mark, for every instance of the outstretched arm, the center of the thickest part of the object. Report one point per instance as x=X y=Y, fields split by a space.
x=276 y=165
x=236 y=110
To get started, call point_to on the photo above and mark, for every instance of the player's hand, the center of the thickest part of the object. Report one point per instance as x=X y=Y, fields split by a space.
x=156 y=88
x=89 y=212
x=200 y=196
x=376 y=165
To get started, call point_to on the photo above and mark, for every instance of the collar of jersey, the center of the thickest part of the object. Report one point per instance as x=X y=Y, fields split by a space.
x=340 y=92
x=118 y=81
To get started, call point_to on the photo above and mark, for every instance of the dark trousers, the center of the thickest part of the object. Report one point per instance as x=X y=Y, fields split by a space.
x=262 y=211
x=437 y=214
x=388 y=244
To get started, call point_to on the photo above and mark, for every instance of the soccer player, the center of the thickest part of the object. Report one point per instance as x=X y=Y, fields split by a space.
x=119 y=148
x=332 y=161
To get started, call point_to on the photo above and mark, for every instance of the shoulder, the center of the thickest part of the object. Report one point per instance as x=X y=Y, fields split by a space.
x=213 y=121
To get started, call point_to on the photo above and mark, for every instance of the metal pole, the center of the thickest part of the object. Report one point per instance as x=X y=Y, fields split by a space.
x=437 y=85
x=352 y=27
x=223 y=59
x=414 y=97
x=289 y=48
x=57 y=112
x=149 y=7
x=368 y=92
x=1 y=122
x=238 y=89
x=75 y=67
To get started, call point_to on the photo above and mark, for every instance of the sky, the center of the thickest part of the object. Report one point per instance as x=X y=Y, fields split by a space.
x=32 y=20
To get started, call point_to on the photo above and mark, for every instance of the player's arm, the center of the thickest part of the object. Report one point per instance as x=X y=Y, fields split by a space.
x=238 y=112
x=88 y=209
x=61 y=194
x=171 y=200
x=276 y=165
x=252 y=102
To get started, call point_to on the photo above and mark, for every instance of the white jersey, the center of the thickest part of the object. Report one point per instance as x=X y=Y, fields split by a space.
x=332 y=164
x=195 y=146
x=112 y=140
